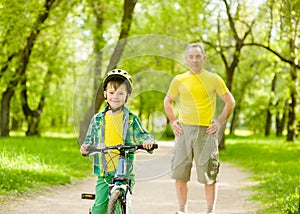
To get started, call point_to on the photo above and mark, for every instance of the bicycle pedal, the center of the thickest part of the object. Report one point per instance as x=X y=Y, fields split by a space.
x=88 y=196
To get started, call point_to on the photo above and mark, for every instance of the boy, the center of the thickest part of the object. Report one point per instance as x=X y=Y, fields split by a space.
x=114 y=125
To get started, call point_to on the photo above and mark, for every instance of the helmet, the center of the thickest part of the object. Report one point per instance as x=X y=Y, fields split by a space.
x=120 y=74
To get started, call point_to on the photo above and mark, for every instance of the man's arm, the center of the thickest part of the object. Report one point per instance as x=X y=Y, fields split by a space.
x=227 y=110
x=168 y=104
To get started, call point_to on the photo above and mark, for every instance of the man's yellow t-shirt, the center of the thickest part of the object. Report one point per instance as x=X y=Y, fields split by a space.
x=197 y=96
x=113 y=137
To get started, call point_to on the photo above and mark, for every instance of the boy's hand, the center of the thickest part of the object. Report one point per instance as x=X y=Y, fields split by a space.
x=148 y=144
x=83 y=149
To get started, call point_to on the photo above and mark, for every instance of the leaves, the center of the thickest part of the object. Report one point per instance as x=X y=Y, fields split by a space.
x=68 y=41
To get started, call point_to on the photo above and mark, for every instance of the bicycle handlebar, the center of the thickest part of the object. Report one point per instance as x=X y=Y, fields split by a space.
x=120 y=147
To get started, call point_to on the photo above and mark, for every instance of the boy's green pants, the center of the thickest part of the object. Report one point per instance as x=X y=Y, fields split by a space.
x=102 y=196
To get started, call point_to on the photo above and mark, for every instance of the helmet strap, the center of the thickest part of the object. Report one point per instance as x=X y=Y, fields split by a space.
x=115 y=110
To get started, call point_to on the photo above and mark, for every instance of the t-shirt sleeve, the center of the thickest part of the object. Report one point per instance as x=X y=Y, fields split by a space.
x=174 y=88
x=221 y=87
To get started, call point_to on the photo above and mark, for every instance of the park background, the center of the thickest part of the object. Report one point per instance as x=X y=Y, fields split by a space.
x=54 y=55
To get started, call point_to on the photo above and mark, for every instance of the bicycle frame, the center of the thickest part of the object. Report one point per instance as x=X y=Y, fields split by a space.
x=121 y=183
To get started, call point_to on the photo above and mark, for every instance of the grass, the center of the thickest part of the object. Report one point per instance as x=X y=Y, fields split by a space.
x=275 y=165
x=31 y=163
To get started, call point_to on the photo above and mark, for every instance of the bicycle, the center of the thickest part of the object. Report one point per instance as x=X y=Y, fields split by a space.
x=120 y=190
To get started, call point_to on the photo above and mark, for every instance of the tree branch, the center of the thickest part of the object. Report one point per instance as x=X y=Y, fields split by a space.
x=125 y=28
x=289 y=61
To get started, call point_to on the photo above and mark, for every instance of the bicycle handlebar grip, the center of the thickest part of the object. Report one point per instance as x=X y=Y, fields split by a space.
x=140 y=146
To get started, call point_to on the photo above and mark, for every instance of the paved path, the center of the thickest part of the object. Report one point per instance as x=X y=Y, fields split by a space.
x=154 y=193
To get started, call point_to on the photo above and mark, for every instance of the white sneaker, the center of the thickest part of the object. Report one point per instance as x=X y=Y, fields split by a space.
x=211 y=212
x=180 y=212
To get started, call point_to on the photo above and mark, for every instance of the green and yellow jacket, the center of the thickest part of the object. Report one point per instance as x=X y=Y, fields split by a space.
x=133 y=133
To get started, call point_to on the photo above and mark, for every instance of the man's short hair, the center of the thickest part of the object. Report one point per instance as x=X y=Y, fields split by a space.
x=195 y=45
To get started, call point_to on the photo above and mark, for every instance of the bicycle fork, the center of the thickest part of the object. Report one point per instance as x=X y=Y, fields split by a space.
x=126 y=196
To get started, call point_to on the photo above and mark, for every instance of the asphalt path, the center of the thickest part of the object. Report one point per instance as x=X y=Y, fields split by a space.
x=154 y=191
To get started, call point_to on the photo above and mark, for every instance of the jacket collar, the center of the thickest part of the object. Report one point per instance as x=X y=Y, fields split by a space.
x=105 y=109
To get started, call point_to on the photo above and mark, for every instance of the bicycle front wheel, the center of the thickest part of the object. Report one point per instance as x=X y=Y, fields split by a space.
x=116 y=204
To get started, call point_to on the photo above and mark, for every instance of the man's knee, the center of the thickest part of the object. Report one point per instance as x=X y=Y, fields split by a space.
x=181 y=183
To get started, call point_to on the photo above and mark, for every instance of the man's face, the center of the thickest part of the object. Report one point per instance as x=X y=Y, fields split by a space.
x=116 y=97
x=195 y=58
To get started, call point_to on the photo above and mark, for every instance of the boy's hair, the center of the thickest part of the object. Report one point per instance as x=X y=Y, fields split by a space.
x=119 y=76
x=116 y=82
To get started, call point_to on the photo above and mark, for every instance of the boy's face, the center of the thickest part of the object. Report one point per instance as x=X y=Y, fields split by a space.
x=116 y=97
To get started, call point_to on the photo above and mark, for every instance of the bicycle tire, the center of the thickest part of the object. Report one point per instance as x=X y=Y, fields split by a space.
x=116 y=204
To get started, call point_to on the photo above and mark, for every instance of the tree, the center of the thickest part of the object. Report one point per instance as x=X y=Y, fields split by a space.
x=128 y=9
x=269 y=113
x=33 y=117
x=288 y=31
x=236 y=43
x=22 y=59
x=245 y=53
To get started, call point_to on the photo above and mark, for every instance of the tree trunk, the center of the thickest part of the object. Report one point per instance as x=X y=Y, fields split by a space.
x=125 y=28
x=15 y=124
x=33 y=121
x=98 y=8
x=292 y=118
x=33 y=117
x=230 y=67
x=292 y=122
x=269 y=114
x=99 y=99
x=234 y=119
x=268 y=122
x=280 y=121
x=84 y=124
x=5 y=108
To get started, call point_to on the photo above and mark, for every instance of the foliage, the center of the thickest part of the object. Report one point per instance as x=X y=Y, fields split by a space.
x=275 y=165
x=32 y=163
x=66 y=44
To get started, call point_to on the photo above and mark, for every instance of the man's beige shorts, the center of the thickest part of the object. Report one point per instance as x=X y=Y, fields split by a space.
x=195 y=144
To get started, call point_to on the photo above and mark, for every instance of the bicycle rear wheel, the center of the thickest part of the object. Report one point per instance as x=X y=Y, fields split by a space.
x=116 y=204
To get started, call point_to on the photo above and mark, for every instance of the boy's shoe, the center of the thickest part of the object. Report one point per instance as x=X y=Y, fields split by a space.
x=180 y=212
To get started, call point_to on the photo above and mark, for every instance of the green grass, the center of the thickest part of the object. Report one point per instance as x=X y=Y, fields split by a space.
x=275 y=165
x=31 y=163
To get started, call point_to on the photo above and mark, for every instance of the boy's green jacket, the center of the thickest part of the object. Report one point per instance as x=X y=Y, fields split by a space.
x=133 y=133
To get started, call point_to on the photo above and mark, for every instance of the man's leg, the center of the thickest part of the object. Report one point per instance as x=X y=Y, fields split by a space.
x=182 y=193
x=211 y=197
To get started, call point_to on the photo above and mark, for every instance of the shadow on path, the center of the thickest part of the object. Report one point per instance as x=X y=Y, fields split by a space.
x=153 y=193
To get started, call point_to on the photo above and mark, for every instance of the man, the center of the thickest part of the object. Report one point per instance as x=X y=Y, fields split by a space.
x=196 y=129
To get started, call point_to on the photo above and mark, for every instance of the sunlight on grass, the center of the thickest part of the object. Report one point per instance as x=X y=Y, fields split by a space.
x=30 y=163
x=275 y=164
